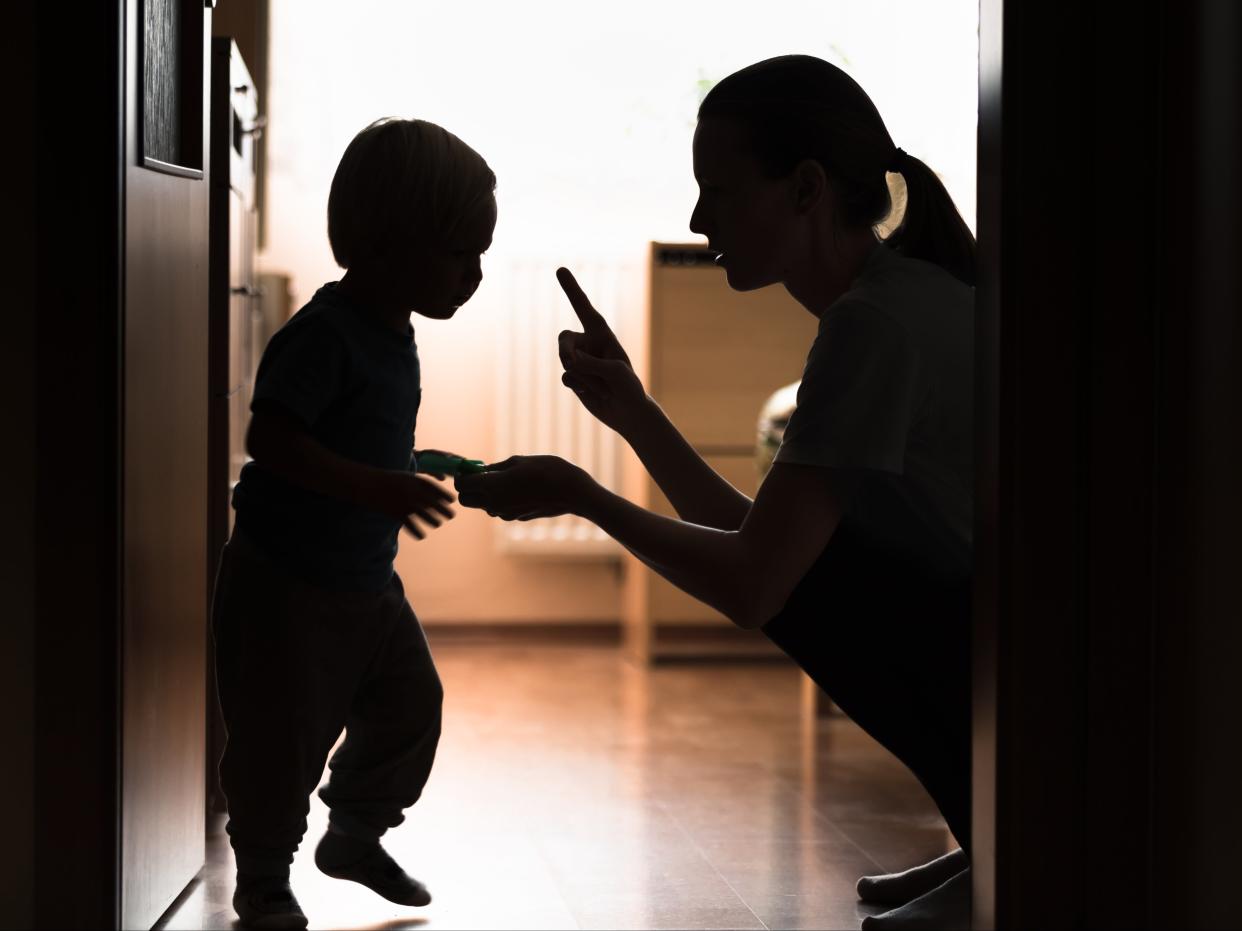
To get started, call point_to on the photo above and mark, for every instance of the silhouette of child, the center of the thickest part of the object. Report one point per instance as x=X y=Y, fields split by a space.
x=312 y=628
x=855 y=556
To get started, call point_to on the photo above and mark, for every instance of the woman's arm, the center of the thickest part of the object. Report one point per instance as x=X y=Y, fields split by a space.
x=697 y=492
x=747 y=574
x=598 y=370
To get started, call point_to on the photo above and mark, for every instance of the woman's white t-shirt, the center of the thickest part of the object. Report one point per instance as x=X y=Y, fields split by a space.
x=888 y=392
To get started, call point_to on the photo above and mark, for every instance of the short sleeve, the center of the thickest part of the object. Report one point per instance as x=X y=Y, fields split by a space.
x=858 y=392
x=303 y=369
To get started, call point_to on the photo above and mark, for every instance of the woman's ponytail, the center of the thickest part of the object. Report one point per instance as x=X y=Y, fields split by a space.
x=931 y=228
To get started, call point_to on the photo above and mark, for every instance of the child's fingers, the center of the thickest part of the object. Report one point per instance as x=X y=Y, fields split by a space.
x=436 y=491
x=413 y=528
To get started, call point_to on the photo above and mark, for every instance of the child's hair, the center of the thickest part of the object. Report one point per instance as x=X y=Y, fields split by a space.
x=401 y=181
x=797 y=107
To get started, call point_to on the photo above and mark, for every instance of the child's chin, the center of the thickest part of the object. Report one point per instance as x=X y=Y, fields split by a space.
x=440 y=313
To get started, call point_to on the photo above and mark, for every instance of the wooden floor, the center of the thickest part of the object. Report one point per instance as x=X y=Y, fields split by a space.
x=574 y=790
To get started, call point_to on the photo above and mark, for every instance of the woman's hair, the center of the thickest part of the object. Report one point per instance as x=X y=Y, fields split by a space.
x=798 y=107
x=400 y=181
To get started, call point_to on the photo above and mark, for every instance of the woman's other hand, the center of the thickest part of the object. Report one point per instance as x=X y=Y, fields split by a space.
x=525 y=487
x=597 y=368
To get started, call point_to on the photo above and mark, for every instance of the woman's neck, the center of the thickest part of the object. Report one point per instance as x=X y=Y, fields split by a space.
x=829 y=268
x=372 y=299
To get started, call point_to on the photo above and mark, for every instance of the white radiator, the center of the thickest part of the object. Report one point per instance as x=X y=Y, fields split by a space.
x=535 y=413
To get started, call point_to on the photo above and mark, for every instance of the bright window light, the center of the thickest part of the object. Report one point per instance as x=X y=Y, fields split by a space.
x=586 y=110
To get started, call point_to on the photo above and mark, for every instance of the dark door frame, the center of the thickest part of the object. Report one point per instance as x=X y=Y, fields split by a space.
x=1109 y=591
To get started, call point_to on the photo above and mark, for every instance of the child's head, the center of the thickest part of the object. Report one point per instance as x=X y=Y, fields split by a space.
x=412 y=208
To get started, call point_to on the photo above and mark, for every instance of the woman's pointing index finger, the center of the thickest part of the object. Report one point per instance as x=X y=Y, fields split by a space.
x=590 y=317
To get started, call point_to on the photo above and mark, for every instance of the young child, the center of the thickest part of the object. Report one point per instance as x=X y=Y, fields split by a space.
x=313 y=632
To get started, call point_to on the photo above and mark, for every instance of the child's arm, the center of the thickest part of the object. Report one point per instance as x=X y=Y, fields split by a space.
x=279 y=443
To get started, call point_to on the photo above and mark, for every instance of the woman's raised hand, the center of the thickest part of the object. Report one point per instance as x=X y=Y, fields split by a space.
x=597 y=368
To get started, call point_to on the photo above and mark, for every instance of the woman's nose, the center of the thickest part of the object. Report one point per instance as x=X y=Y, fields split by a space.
x=696 y=218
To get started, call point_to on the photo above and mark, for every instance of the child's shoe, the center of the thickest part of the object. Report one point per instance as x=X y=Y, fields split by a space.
x=368 y=863
x=267 y=902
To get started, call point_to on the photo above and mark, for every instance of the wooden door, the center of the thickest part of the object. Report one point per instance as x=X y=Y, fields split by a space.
x=165 y=391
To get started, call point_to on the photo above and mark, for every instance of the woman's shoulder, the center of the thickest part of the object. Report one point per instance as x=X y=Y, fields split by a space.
x=886 y=268
x=899 y=286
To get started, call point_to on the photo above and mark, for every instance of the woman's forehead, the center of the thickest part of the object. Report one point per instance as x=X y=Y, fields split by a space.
x=721 y=146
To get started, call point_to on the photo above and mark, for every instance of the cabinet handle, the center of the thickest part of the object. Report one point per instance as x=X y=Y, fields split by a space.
x=246 y=291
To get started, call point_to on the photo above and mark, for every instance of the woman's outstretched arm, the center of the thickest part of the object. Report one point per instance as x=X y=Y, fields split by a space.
x=747 y=574
x=598 y=370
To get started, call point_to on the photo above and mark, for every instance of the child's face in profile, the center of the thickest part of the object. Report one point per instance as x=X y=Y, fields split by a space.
x=439 y=278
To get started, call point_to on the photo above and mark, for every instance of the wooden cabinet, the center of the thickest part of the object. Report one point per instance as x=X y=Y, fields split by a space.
x=711 y=357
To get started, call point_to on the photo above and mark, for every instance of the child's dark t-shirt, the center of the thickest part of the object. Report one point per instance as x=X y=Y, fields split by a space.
x=355 y=385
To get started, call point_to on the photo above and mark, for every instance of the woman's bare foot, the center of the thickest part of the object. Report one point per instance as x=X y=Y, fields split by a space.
x=895 y=889
x=945 y=908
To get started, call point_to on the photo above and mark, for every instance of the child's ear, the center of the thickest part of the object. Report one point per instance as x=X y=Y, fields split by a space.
x=810 y=186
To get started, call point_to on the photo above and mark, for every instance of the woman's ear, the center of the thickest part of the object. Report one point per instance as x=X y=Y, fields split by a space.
x=810 y=185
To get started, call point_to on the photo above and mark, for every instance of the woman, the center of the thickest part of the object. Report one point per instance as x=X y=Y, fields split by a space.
x=855 y=555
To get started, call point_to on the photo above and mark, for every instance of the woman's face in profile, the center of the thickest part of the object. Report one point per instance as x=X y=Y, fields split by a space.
x=745 y=216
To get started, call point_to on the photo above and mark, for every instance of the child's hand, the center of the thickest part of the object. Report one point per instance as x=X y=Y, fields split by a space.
x=525 y=487
x=410 y=498
x=597 y=368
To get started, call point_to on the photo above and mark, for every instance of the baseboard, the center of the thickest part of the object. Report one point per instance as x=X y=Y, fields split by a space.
x=673 y=643
x=586 y=633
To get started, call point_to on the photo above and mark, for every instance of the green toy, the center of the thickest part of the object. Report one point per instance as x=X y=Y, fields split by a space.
x=449 y=465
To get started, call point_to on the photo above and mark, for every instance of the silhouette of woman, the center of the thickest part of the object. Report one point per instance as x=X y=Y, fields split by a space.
x=855 y=556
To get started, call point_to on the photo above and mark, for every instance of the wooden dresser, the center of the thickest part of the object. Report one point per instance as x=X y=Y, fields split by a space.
x=711 y=357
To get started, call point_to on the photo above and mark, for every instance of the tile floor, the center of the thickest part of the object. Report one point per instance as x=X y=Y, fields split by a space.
x=575 y=790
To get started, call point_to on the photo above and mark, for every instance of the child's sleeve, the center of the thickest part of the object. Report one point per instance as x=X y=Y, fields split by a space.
x=858 y=394
x=303 y=370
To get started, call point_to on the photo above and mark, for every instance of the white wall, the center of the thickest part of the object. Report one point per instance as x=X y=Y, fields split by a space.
x=586 y=112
